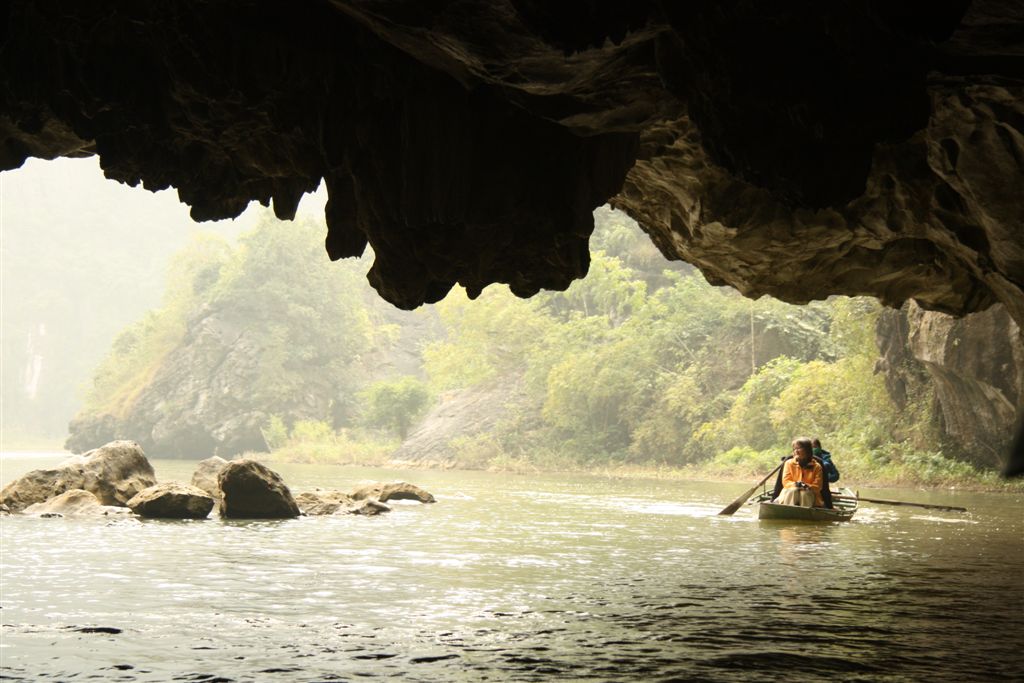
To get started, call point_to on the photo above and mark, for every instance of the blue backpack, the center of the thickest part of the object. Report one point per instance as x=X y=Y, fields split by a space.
x=831 y=471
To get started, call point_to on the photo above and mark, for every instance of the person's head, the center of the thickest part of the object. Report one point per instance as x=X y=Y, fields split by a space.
x=816 y=446
x=802 y=449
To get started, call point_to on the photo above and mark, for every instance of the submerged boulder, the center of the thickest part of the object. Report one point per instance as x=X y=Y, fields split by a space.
x=253 y=491
x=398 y=490
x=114 y=473
x=74 y=503
x=321 y=502
x=205 y=476
x=368 y=508
x=172 y=500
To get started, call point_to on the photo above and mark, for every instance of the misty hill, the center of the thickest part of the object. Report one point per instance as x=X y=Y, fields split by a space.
x=82 y=257
x=271 y=328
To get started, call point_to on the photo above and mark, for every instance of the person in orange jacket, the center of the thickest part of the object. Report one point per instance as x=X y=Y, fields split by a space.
x=802 y=477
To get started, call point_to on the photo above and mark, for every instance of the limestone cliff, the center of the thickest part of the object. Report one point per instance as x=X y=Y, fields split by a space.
x=201 y=400
x=973 y=365
x=461 y=415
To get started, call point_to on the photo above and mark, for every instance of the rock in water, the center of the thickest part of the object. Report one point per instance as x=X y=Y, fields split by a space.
x=172 y=500
x=114 y=472
x=398 y=490
x=319 y=502
x=253 y=491
x=368 y=508
x=73 y=503
x=205 y=476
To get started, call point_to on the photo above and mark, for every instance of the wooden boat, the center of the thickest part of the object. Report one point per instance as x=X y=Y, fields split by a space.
x=843 y=500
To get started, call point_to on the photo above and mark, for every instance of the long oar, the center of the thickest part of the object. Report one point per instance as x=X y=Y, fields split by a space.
x=736 y=504
x=903 y=502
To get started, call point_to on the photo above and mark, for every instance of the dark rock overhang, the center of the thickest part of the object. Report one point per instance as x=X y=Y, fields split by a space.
x=795 y=149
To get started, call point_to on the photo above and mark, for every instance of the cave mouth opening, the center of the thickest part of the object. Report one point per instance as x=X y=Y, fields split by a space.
x=852 y=150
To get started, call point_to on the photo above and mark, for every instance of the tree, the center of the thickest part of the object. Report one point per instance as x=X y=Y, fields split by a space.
x=395 y=404
x=267 y=328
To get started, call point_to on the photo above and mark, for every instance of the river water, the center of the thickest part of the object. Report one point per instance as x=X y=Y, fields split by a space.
x=518 y=578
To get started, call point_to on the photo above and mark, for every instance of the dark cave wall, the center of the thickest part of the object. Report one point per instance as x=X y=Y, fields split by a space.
x=798 y=150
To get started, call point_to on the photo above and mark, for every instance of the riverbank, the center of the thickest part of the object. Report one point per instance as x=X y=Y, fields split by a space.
x=928 y=471
x=925 y=472
x=990 y=482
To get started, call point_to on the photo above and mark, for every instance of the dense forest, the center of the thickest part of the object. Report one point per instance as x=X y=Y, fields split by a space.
x=642 y=365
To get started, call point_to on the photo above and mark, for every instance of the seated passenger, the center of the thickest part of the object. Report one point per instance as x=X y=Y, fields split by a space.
x=828 y=468
x=802 y=477
x=831 y=471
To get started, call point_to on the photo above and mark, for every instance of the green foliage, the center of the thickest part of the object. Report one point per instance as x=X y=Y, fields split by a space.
x=637 y=365
x=594 y=398
x=487 y=338
x=628 y=367
x=395 y=404
x=275 y=432
x=610 y=291
x=665 y=432
x=933 y=468
x=310 y=327
x=748 y=421
x=742 y=461
x=311 y=431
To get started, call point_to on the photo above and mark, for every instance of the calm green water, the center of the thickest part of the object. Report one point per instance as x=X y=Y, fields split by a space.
x=518 y=578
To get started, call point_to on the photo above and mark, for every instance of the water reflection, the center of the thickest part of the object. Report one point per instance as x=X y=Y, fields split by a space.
x=797 y=541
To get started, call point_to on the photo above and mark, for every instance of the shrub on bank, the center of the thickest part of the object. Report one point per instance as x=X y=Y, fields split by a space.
x=314 y=441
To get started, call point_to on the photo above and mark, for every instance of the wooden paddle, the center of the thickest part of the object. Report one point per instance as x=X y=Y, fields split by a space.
x=736 y=504
x=902 y=502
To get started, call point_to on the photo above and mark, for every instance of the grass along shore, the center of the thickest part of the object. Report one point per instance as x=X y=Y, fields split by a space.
x=926 y=471
x=865 y=470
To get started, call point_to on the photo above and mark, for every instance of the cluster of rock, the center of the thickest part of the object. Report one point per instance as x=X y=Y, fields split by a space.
x=118 y=479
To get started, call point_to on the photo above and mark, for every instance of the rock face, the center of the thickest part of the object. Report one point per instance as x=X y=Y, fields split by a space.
x=459 y=414
x=114 y=473
x=974 y=365
x=73 y=503
x=196 y=403
x=172 y=500
x=253 y=491
x=794 y=149
x=206 y=474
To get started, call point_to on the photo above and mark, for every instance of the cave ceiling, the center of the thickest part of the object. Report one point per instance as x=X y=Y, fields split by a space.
x=796 y=149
